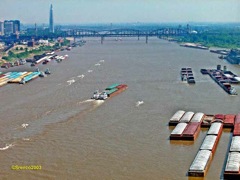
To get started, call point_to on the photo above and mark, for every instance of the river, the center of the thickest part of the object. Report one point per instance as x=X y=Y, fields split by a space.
x=53 y=123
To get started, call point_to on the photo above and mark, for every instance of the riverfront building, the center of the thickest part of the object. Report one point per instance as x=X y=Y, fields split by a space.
x=1 y=28
x=51 y=26
x=11 y=27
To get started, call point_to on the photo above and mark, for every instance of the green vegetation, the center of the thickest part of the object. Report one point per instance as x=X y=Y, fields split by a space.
x=12 y=56
x=213 y=40
x=65 y=42
x=223 y=37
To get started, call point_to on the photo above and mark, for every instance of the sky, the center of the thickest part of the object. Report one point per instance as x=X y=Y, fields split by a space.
x=120 y=11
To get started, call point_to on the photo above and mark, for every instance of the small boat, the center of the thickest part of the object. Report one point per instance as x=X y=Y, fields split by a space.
x=191 y=80
x=100 y=96
x=42 y=74
x=47 y=71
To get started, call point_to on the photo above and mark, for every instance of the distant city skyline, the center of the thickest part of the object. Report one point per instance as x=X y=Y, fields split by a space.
x=120 y=11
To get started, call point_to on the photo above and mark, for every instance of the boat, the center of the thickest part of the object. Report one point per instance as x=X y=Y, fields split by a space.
x=103 y=96
x=47 y=71
x=228 y=88
x=96 y=95
x=191 y=80
x=110 y=91
x=187 y=75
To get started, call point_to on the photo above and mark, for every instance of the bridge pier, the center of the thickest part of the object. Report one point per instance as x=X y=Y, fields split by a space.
x=102 y=39
x=74 y=39
x=146 y=39
x=138 y=38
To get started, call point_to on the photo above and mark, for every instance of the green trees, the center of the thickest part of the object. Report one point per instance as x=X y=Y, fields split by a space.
x=224 y=38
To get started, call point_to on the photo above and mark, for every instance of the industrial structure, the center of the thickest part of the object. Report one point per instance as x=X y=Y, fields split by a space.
x=51 y=25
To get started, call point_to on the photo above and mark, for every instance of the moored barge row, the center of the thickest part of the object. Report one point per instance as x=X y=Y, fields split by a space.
x=200 y=164
x=223 y=78
x=18 y=77
x=203 y=158
x=233 y=160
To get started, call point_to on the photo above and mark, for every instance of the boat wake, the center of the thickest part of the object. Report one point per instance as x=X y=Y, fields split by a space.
x=6 y=147
x=25 y=125
x=139 y=103
x=98 y=64
x=90 y=70
x=101 y=61
x=88 y=100
x=81 y=76
x=98 y=102
x=70 y=82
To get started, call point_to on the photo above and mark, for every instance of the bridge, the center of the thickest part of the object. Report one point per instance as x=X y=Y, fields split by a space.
x=81 y=33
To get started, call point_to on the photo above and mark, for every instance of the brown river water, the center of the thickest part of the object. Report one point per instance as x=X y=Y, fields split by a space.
x=52 y=122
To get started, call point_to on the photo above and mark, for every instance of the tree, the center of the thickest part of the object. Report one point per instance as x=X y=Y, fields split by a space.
x=17 y=48
x=21 y=48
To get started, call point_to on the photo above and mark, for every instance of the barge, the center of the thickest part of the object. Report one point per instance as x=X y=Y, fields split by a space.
x=200 y=164
x=186 y=118
x=202 y=161
x=187 y=75
x=178 y=131
x=233 y=160
x=191 y=131
x=176 y=117
x=223 y=78
x=229 y=120
x=110 y=91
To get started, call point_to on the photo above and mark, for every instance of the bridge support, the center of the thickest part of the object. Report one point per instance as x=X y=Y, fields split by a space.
x=74 y=39
x=146 y=39
x=138 y=37
x=102 y=39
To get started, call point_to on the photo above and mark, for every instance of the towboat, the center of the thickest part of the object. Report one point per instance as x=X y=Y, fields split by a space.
x=110 y=91
x=103 y=96
x=96 y=95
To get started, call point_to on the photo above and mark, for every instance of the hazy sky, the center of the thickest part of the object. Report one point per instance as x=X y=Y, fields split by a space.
x=113 y=11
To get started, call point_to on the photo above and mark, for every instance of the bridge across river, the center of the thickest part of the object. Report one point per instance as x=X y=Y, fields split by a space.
x=78 y=33
x=126 y=32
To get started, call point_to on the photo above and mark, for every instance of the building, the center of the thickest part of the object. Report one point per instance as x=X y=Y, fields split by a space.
x=8 y=27
x=11 y=27
x=31 y=43
x=51 y=25
x=1 y=28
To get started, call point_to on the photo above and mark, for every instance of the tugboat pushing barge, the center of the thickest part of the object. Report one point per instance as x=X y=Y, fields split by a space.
x=110 y=91
x=187 y=75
